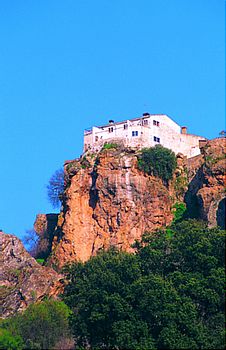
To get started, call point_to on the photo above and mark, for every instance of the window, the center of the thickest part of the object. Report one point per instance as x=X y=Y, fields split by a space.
x=155 y=122
x=125 y=126
x=110 y=129
x=156 y=139
x=134 y=133
x=96 y=138
x=145 y=122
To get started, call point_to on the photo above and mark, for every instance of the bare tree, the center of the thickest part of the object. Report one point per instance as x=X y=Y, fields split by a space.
x=222 y=133
x=55 y=188
x=30 y=240
x=37 y=245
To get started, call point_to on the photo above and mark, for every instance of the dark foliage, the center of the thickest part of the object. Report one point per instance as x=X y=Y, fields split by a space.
x=10 y=342
x=158 y=161
x=40 y=327
x=169 y=295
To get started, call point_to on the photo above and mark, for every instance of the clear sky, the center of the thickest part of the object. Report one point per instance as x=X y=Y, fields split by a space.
x=69 y=64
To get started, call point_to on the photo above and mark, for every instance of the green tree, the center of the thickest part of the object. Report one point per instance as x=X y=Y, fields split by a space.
x=191 y=259
x=169 y=295
x=99 y=294
x=41 y=325
x=10 y=342
x=158 y=161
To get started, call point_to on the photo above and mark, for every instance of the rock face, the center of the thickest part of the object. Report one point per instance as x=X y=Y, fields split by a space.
x=44 y=226
x=23 y=280
x=108 y=202
x=206 y=192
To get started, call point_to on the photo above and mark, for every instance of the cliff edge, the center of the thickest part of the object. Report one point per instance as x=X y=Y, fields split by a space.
x=108 y=201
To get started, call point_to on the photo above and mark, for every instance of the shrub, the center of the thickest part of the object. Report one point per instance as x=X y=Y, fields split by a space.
x=85 y=163
x=179 y=210
x=40 y=261
x=110 y=145
x=41 y=325
x=180 y=185
x=10 y=342
x=158 y=161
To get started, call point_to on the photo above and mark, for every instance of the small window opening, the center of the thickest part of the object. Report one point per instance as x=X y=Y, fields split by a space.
x=110 y=129
x=155 y=122
x=134 y=133
x=156 y=139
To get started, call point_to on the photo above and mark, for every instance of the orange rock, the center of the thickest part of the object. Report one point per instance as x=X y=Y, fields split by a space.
x=111 y=204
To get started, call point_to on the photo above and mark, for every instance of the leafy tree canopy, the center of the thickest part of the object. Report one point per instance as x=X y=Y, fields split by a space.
x=169 y=295
x=40 y=326
x=158 y=161
x=10 y=342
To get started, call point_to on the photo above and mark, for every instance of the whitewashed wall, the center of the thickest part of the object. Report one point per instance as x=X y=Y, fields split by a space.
x=168 y=132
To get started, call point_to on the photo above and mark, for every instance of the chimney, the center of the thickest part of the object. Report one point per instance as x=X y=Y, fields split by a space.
x=111 y=121
x=184 y=130
x=202 y=144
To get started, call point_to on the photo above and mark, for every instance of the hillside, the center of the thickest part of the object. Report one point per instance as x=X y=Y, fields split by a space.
x=23 y=280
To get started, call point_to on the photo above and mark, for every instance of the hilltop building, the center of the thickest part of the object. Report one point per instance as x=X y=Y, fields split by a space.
x=147 y=131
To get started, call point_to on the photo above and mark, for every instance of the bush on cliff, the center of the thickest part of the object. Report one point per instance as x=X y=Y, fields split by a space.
x=169 y=295
x=158 y=161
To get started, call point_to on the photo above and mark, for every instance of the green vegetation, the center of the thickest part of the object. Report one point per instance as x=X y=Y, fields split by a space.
x=180 y=185
x=179 y=210
x=110 y=145
x=169 y=295
x=85 y=163
x=211 y=160
x=41 y=326
x=72 y=167
x=158 y=161
x=40 y=261
x=10 y=342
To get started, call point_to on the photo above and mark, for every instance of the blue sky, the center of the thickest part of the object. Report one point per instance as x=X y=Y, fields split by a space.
x=69 y=64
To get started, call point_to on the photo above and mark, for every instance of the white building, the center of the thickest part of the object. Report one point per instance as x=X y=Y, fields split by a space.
x=146 y=131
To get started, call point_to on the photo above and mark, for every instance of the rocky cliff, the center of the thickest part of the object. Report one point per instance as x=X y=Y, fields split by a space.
x=108 y=201
x=23 y=280
x=205 y=197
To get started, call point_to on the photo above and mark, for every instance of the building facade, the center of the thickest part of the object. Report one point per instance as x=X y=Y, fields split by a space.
x=147 y=131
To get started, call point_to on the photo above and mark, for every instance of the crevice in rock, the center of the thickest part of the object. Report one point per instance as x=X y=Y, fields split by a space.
x=191 y=200
x=221 y=214
x=93 y=192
